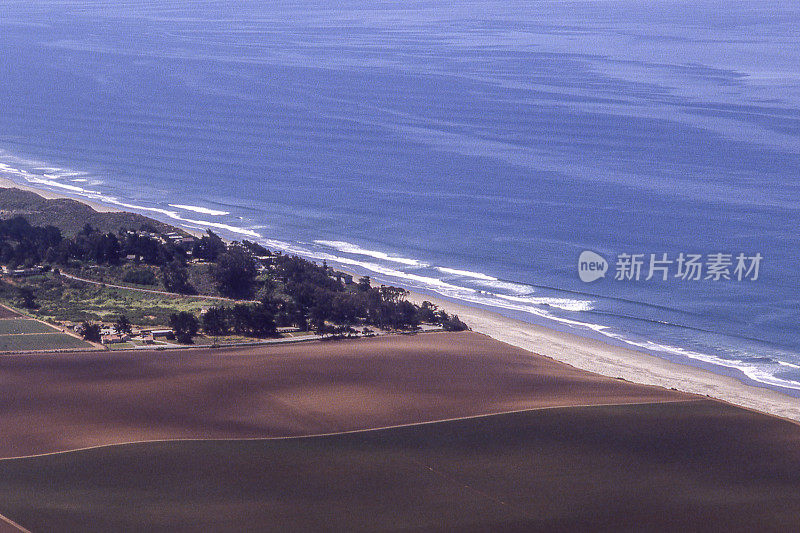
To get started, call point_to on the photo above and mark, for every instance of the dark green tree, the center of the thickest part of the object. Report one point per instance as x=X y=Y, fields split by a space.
x=176 y=278
x=27 y=297
x=364 y=284
x=90 y=332
x=450 y=322
x=241 y=319
x=262 y=321
x=320 y=327
x=427 y=312
x=185 y=326
x=209 y=247
x=393 y=294
x=235 y=273
x=122 y=326
x=215 y=321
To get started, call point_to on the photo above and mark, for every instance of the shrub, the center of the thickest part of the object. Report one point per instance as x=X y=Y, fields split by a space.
x=140 y=276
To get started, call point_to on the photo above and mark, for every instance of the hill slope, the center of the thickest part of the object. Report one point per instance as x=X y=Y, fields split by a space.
x=70 y=215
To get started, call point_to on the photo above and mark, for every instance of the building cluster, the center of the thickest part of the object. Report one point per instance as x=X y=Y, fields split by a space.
x=108 y=335
x=22 y=272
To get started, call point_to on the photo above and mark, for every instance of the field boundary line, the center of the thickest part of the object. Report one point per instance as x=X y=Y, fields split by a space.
x=13 y=524
x=354 y=431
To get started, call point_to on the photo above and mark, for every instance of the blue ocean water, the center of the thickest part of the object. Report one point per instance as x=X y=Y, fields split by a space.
x=470 y=149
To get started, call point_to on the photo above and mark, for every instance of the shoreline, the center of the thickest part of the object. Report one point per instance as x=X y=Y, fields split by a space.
x=6 y=183
x=100 y=207
x=612 y=361
x=583 y=353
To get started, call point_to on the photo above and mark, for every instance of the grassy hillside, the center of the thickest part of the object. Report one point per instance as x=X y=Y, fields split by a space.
x=671 y=466
x=69 y=215
x=61 y=299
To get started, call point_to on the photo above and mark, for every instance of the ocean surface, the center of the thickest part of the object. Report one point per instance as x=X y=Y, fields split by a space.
x=468 y=149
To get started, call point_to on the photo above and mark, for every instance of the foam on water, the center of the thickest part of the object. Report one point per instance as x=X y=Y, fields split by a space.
x=50 y=180
x=466 y=274
x=201 y=210
x=175 y=216
x=757 y=373
x=349 y=248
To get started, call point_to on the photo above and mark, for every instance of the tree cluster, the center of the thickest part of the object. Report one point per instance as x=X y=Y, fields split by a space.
x=184 y=325
x=291 y=292
x=235 y=273
x=24 y=245
x=242 y=319
x=175 y=276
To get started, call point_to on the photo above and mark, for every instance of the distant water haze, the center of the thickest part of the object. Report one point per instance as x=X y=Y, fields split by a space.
x=468 y=149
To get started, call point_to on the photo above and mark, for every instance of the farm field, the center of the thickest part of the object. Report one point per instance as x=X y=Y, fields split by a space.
x=5 y=312
x=18 y=333
x=20 y=326
x=674 y=465
x=41 y=341
x=442 y=431
x=282 y=390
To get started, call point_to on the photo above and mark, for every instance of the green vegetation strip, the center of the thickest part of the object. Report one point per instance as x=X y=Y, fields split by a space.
x=40 y=341
x=61 y=299
x=15 y=326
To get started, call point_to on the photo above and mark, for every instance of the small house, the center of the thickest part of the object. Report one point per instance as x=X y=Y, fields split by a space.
x=162 y=334
x=114 y=339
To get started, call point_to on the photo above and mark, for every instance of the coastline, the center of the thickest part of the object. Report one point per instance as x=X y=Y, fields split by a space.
x=6 y=183
x=580 y=352
x=605 y=359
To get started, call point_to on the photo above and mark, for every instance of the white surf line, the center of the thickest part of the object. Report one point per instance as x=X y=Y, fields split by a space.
x=358 y=431
x=13 y=524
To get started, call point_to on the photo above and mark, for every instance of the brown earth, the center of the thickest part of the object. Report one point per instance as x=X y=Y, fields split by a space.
x=5 y=312
x=66 y=401
x=697 y=465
